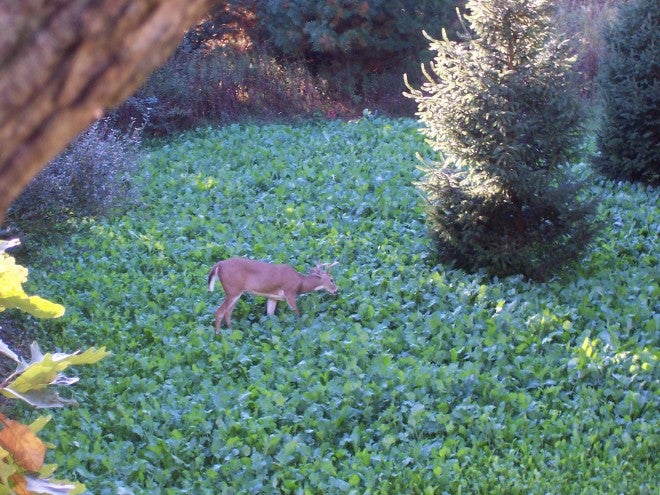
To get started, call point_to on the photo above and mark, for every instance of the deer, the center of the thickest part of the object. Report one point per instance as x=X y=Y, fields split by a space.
x=277 y=282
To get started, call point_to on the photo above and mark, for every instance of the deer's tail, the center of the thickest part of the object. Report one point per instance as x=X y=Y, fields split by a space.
x=213 y=276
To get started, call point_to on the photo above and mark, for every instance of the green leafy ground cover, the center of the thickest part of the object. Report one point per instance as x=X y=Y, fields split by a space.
x=417 y=378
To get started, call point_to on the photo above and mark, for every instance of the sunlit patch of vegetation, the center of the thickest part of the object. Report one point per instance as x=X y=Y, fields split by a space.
x=417 y=378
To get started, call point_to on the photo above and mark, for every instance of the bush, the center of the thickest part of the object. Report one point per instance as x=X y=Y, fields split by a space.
x=630 y=128
x=222 y=84
x=91 y=176
x=353 y=48
x=502 y=110
x=353 y=38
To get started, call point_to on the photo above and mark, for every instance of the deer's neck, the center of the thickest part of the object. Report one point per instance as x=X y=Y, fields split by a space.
x=309 y=283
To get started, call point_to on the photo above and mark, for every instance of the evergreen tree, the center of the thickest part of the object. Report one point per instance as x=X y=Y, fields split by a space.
x=501 y=109
x=352 y=41
x=348 y=30
x=629 y=139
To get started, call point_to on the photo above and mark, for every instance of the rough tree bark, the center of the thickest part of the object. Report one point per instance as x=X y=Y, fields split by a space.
x=64 y=62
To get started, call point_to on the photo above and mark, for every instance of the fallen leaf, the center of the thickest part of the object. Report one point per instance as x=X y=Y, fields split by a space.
x=26 y=447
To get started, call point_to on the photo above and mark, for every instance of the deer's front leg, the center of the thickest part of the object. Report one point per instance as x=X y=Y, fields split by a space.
x=291 y=301
x=271 y=304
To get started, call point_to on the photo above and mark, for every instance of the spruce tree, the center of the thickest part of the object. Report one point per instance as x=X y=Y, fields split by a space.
x=501 y=109
x=629 y=137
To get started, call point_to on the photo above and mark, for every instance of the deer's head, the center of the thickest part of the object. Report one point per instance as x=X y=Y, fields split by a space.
x=322 y=271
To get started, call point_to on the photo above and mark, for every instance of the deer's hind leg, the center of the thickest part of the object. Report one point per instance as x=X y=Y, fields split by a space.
x=224 y=311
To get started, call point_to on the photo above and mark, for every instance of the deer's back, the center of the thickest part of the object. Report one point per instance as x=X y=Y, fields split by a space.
x=257 y=276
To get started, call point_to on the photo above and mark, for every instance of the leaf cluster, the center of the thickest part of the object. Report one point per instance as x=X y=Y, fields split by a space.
x=417 y=378
x=12 y=295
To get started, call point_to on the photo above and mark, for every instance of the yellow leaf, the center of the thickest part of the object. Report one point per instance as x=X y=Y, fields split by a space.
x=44 y=371
x=12 y=295
x=42 y=308
x=90 y=356
x=48 y=470
x=7 y=466
x=39 y=423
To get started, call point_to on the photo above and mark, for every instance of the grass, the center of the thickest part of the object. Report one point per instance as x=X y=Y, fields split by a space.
x=417 y=378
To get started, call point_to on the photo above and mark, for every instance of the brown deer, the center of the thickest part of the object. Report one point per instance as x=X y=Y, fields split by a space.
x=276 y=282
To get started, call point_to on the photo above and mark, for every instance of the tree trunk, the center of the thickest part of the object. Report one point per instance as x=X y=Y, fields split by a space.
x=64 y=62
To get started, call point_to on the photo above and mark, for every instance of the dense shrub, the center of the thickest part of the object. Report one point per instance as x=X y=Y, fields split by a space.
x=90 y=177
x=629 y=139
x=223 y=84
x=361 y=32
x=248 y=60
x=503 y=112
x=355 y=50
x=351 y=38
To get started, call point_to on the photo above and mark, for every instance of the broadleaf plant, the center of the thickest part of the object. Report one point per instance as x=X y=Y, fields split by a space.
x=417 y=378
x=22 y=452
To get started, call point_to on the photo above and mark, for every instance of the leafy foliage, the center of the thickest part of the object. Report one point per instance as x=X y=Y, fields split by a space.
x=90 y=177
x=500 y=109
x=22 y=452
x=417 y=378
x=629 y=78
